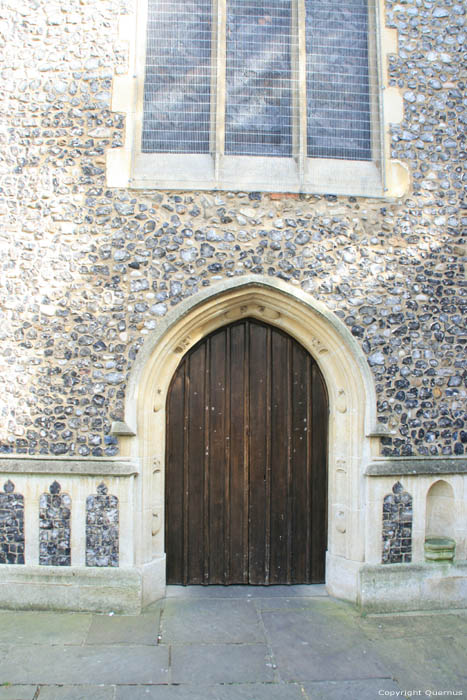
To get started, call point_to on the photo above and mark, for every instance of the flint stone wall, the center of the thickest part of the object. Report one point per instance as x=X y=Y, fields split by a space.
x=87 y=271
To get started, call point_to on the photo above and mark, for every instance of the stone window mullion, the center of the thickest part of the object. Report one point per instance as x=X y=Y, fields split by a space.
x=299 y=124
x=376 y=78
x=218 y=84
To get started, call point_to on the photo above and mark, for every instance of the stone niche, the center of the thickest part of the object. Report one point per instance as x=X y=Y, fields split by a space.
x=440 y=522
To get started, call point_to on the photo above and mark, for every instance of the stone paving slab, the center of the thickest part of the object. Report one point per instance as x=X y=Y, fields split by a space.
x=221 y=663
x=206 y=621
x=247 y=691
x=317 y=648
x=43 y=628
x=370 y=689
x=273 y=603
x=18 y=692
x=51 y=665
x=328 y=620
x=124 y=629
x=425 y=663
x=323 y=610
x=397 y=626
x=462 y=642
x=81 y=692
x=351 y=663
x=330 y=609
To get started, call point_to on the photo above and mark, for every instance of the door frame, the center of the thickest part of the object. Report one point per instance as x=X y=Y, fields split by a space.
x=352 y=406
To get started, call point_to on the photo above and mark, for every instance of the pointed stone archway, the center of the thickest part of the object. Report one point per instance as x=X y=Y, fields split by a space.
x=352 y=420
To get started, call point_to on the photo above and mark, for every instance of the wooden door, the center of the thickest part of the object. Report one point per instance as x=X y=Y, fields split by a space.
x=246 y=457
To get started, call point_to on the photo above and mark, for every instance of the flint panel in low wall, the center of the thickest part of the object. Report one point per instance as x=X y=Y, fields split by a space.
x=397 y=526
x=11 y=525
x=54 y=527
x=102 y=528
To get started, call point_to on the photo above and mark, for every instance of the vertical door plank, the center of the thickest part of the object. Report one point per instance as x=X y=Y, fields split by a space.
x=310 y=437
x=288 y=399
x=280 y=446
x=300 y=458
x=227 y=459
x=174 y=523
x=267 y=533
x=217 y=464
x=238 y=456
x=205 y=460
x=194 y=479
x=257 y=452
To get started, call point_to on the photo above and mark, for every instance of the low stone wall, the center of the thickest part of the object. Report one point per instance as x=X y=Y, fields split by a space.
x=63 y=513
x=92 y=557
x=67 y=537
x=405 y=587
x=76 y=588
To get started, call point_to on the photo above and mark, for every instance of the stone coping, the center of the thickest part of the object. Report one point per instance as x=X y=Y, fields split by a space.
x=395 y=466
x=400 y=466
x=372 y=570
x=67 y=465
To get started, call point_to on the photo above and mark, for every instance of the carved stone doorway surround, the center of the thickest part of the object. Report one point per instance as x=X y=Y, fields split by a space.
x=352 y=421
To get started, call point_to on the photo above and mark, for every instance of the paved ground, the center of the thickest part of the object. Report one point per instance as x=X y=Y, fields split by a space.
x=236 y=643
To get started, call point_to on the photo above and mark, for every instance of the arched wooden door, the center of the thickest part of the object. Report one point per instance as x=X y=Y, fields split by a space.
x=246 y=477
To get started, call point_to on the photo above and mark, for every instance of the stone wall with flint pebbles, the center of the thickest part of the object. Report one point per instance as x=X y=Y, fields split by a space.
x=87 y=271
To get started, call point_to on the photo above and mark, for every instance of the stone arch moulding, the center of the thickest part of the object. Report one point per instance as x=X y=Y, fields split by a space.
x=352 y=406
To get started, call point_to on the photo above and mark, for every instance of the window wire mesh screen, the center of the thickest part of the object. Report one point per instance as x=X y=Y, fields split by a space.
x=177 y=89
x=338 y=99
x=259 y=78
x=258 y=119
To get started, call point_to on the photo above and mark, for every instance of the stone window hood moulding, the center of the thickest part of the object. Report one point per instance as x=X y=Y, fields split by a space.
x=382 y=178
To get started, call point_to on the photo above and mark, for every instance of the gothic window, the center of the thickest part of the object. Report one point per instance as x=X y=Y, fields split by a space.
x=255 y=91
